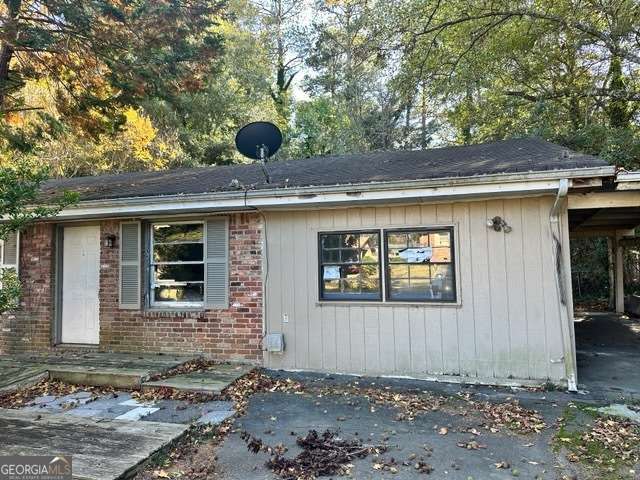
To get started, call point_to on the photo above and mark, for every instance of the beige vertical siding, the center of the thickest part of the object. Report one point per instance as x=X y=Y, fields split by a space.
x=506 y=325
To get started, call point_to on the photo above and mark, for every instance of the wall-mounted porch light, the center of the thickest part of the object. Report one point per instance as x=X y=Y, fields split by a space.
x=498 y=224
x=110 y=241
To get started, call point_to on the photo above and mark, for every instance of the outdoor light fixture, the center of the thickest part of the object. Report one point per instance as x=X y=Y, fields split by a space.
x=110 y=241
x=498 y=224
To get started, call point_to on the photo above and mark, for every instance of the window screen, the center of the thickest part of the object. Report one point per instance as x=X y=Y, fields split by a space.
x=177 y=264
x=350 y=266
x=420 y=265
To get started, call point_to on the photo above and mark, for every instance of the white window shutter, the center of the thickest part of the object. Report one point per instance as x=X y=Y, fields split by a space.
x=10 y=256
x=130 y=253
x=216 y=285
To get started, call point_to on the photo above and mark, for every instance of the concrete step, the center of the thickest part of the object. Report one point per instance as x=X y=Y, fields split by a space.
x=213 y=380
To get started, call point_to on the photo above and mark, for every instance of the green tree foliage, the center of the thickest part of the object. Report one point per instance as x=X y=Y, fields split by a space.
x=100 y=53
x=20 y=204
x=564 y=70
x=336 y=76
x=95 y=59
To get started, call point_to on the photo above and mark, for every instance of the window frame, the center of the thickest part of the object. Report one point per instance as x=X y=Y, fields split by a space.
x=353 y=298
x=8 y=266
x=153 y=304
x=15 y=266
x=384 y=271
x=387 y=271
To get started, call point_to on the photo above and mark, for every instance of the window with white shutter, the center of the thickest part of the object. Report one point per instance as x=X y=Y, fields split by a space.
x=130 y=253
x=9 y=251
x=217 y=263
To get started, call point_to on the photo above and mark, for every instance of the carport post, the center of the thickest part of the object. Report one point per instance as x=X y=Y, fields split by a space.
x=619 y=288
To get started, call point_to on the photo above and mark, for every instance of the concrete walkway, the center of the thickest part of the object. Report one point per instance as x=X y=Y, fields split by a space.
x=101 y=449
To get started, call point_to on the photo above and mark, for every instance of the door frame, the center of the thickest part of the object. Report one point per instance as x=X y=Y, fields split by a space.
x=58 y=262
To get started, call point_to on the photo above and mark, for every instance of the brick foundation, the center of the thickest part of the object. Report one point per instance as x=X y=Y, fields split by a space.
x=230 y=334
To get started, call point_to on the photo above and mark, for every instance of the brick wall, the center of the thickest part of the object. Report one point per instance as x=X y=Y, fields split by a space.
x=234 y=333
x=29 y=328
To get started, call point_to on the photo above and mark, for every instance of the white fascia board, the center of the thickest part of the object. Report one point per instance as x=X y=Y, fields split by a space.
x=615 y=199
x=628 y=181
x=535 y=183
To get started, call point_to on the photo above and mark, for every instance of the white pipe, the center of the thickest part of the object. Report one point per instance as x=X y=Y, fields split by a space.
x=563 y=189
x=565 y=314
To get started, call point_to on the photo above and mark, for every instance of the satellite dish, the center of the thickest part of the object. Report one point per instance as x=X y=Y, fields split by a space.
x=259 y=140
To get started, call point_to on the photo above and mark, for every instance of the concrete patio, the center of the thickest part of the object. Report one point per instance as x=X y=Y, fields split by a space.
x=608 y=353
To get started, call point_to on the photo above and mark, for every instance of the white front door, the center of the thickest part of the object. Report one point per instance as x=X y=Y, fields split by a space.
x=80 y=285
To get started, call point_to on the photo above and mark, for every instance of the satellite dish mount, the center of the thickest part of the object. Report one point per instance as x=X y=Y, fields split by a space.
x=259 y=141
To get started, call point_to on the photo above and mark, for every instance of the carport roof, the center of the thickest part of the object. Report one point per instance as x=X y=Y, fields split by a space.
x=513 y=156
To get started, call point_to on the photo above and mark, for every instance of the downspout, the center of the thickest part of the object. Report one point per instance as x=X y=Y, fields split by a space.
x=566 y=310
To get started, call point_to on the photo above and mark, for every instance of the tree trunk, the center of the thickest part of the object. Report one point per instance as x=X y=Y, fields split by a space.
x=7 y=49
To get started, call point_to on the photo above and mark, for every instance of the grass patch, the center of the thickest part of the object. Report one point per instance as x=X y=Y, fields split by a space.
x=607 y=448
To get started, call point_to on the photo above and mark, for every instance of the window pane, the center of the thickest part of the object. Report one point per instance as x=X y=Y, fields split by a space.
x=189 y=252
x=330 y=241
x=441 y=254
x=190 y=292
x=399 y=271
x=332 y=286
x=369 y=241
x=423 y=270
x=350 y=240
x=191 y=232
x=418 y=239
x=440 y=239
x=331 y=256
x=349 y=266
x=419 y=271
x=397 y=241
x=350 y=256
x=179 y=273
x=370 y=278
x=442 y=281
x=350 y=285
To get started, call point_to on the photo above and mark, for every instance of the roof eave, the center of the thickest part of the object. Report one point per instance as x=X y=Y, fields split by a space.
x=397 y=191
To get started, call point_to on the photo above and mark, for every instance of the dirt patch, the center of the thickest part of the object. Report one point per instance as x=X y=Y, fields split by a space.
x=193 y=457
x=323 y=454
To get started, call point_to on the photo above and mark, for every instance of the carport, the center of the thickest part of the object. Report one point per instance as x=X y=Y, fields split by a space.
x=607 y=343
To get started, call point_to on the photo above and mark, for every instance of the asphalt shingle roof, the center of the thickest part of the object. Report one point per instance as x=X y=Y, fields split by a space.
x=508 y=156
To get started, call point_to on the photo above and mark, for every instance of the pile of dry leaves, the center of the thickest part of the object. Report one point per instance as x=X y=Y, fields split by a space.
x=25 y=396
x=323 y=454
x=195 y=365
x=408 y=404
x=511 y=415
x=167 y=393
x=254 y=382
x=620 y=437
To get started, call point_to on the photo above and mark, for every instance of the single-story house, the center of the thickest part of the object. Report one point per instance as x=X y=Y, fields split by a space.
x=451 y=263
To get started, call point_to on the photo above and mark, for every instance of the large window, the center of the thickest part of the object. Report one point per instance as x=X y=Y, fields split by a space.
x=177 y=264
x=350 y=266
x=418 y=265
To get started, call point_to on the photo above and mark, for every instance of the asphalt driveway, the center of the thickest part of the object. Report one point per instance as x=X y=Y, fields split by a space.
x=455 y=439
